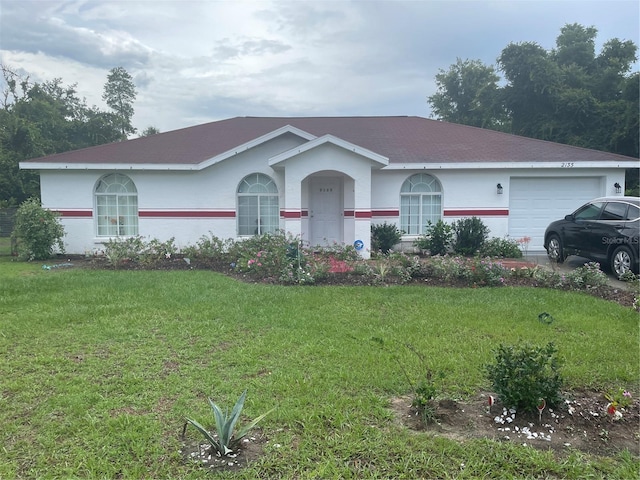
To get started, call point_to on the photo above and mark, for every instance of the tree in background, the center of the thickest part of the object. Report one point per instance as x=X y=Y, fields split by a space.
x=568 y=94
x=120 y=93
x=468 y=93
x=150 y=130
x=38 y=119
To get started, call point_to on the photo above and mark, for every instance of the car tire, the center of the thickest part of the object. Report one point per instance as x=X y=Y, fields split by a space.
x=621 y=261
x=554 y=249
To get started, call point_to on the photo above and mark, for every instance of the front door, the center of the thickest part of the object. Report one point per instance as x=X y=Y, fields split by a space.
x=326 y=210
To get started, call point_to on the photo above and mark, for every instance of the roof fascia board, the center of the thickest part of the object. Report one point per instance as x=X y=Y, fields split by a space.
x=107 y=166
x=513 y=165
x=333 y=140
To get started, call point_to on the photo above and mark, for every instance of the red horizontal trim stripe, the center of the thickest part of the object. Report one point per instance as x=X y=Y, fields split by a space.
x=385 y=213
x=349 y=213
x=366 y=214
x=187 y=214
x=477 y=212
x=290 y=214
x=305 y=213
x=75 y=213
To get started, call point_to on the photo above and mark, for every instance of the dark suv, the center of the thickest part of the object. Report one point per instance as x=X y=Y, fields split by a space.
x=606 y=230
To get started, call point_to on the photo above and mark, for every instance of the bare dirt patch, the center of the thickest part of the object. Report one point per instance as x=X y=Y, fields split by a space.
x=581 y=423
x=202 y=454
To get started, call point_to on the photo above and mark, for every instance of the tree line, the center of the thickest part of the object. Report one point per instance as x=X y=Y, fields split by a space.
x=45 y=118
x=569 y=94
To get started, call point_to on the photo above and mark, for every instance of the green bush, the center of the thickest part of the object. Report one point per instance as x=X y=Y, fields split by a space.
x=501 y=248
x=157 y=251
x=470 y=235
x=437 y=238
x=587 y=276
x=37 y=231
x=276 y=257
x=209 y=248
x=384 y=236
x=522 y=375
x=120 y=250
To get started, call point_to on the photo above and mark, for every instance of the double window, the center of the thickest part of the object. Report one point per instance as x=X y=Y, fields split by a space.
x=258 y=210
x=116 y=206
x=420 y=203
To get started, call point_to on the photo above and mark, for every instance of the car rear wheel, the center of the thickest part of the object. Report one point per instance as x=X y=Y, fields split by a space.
x=554 y=249
x=621 y=261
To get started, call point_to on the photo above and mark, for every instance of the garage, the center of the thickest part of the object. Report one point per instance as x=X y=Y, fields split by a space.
x=534 y=202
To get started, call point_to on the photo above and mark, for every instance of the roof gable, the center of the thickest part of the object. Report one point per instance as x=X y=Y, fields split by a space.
x=254 y=143
x=328 y=139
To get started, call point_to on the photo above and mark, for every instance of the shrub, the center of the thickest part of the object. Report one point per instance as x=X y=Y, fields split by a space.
x=118 y=250
x=37 y=231
x=587 y=276
x=470 y=235
x=210 y=248
x=437 y=238
x=338 y=251
x=155 y=251
x=485 y=271
x=522 y=375
x=276 y=257
x=384 y=236
x=501 y=248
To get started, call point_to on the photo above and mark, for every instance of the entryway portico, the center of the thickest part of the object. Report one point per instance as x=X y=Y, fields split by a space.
x=327 y=191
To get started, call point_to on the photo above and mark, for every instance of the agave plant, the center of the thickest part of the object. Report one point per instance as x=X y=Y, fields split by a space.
x=226 y=440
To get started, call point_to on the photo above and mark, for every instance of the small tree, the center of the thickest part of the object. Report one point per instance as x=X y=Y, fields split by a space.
x=37 y=231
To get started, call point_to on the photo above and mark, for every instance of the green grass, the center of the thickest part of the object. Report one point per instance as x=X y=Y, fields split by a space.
x=5 y=246
x=98 y=370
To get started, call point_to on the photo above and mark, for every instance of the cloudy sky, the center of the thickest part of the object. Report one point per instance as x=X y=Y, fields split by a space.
x=199 y=61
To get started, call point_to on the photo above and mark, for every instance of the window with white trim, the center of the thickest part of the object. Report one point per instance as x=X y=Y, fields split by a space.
x=116 y=206
x=258 y=208
x=420 y=203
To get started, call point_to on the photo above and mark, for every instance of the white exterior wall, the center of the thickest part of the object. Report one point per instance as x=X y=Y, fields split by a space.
x=475 y=190
x=366 y=189
x=211 y=189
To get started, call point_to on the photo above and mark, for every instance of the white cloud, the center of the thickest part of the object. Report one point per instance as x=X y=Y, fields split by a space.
x=197 y=61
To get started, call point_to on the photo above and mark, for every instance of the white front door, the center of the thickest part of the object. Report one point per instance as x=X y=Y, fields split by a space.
x=326 y=210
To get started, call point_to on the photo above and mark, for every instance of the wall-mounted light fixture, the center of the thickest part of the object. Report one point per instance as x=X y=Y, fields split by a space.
x=617 y=187
x=499 y=188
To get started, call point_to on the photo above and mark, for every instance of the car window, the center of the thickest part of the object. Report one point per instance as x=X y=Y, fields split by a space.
x=614 y=211
x=590 y=211
x=633 y=213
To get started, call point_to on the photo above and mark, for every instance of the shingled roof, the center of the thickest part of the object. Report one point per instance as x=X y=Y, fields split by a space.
x=403 y=140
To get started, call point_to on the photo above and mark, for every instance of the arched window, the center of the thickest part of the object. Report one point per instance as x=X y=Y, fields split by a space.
x=258 y=210
x=420 y=203
x=116 y=206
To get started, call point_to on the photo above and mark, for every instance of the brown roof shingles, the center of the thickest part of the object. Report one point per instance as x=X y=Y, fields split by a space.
x=401 y=139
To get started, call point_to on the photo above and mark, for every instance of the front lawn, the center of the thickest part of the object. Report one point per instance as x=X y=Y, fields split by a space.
x=98 y=370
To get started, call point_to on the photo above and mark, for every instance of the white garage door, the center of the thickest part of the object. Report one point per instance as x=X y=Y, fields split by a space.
x=535 y=202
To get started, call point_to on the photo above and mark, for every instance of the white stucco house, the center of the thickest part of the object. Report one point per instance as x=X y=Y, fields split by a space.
x=326 y=179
